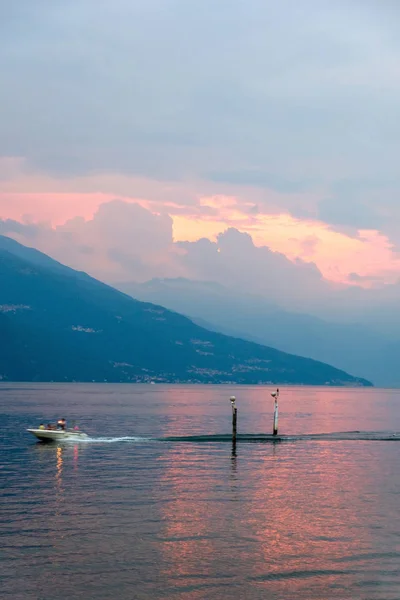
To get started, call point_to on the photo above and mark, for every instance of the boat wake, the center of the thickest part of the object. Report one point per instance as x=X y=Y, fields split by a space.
x=255 y=438
x=113 y=440
x=342 y=436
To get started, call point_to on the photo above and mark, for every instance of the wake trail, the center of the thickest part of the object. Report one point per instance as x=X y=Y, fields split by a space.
x=113 y=440
x=265 y=437
x=254 y=438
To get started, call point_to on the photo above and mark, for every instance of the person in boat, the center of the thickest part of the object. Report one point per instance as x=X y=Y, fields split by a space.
x=41 y=426
x=61 y=424
x=50 y=426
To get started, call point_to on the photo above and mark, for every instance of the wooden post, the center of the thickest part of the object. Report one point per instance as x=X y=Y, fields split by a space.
x=275 y=431
x=275 y=395
x=234 y=417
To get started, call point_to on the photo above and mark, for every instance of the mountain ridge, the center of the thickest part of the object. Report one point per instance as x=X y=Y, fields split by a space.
x=63 y=325
x=352 y=347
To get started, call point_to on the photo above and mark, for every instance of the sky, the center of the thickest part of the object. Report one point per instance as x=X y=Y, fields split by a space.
x=251 y=141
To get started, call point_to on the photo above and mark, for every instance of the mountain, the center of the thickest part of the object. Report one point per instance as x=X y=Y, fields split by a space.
x=57 y=324
x=353 y=347
x=35 y=257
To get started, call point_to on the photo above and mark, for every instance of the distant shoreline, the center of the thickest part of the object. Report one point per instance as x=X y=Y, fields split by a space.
x=198 y=383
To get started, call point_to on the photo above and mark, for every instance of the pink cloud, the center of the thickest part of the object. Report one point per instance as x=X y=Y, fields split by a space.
x=53 y=208
x=196 y=210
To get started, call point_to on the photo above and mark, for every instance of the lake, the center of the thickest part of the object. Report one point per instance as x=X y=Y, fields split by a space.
x=129 y=515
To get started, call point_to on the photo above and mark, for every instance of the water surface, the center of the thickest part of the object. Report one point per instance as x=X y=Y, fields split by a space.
x=126 y=515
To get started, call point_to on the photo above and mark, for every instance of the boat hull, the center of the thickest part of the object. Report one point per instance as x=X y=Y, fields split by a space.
x=57 y=435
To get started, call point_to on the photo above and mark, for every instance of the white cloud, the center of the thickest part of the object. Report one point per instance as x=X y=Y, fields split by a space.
x=126 y=242
x=122 y=240
x=235 y=261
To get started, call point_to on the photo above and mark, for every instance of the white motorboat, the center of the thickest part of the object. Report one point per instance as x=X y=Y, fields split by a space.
x=58 y=435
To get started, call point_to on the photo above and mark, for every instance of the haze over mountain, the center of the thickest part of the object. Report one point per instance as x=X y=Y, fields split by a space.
x=59 y=324
x=125 y=242
x=350 y=346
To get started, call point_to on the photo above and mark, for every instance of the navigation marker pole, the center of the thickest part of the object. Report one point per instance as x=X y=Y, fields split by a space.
x=275 y=395
x=234 y=417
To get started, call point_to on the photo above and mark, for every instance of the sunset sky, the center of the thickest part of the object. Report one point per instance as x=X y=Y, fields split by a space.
x=131 y=130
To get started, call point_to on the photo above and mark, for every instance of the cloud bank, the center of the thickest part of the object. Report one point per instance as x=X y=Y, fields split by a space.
x=229 y=131
x=126 y=242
